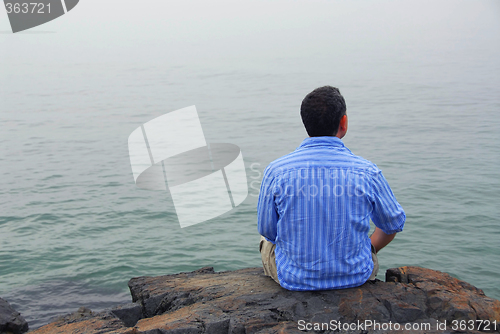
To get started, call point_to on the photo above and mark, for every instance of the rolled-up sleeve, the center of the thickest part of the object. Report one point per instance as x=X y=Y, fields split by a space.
x=387 y=214
x=267 y=217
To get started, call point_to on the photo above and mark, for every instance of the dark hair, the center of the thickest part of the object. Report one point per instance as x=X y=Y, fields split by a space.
x=321 y=111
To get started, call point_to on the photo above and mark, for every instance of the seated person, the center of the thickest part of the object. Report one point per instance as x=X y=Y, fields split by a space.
x=315 y=206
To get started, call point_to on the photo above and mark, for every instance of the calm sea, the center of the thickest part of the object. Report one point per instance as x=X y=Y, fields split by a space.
x=422 y=84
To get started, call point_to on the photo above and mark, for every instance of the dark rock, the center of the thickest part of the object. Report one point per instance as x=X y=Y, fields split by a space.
x=10 y=320
x=217 y=326
x=83 y=321
x=447 y=297
x=80 y=314
x=246 y=301
x=129 y=314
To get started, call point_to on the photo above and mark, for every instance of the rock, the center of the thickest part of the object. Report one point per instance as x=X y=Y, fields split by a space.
x=447 y=297
x=129 y=314
x=10 y=320
x=83 y=321
x=246 y=301
x=82 y=313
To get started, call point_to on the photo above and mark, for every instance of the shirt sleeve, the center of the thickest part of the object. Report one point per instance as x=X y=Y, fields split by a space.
x=267 y=216
x=387 y=214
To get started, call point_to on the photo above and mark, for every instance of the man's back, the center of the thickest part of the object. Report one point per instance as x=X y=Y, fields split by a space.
x=315 y=204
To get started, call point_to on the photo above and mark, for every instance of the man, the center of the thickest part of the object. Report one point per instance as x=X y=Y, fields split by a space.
x=315 y=206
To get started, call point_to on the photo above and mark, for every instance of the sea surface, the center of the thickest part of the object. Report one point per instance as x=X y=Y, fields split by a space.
x=421 y=81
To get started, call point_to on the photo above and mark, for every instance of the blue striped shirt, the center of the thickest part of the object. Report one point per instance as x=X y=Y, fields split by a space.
x=315 y=204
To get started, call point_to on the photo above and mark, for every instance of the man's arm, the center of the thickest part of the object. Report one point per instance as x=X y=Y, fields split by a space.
x=387 y=215
x=267 y=217
x=380 y=239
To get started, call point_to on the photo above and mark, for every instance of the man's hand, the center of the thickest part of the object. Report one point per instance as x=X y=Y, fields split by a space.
x=380 y=239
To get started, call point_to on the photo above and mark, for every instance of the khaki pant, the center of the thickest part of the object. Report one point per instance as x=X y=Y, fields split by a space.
x=269 y=260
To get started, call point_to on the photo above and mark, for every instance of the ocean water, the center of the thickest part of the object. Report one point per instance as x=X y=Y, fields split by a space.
x=422 y=86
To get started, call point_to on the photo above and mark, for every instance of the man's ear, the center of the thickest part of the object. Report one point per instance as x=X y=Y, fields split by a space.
x=343 y=123
x=342 y=127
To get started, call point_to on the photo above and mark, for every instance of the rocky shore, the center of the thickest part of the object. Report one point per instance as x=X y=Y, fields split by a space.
x=10 y=320
x=246 y=301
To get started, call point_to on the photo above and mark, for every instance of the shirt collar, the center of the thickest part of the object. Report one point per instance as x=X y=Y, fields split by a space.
x=328 y=141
